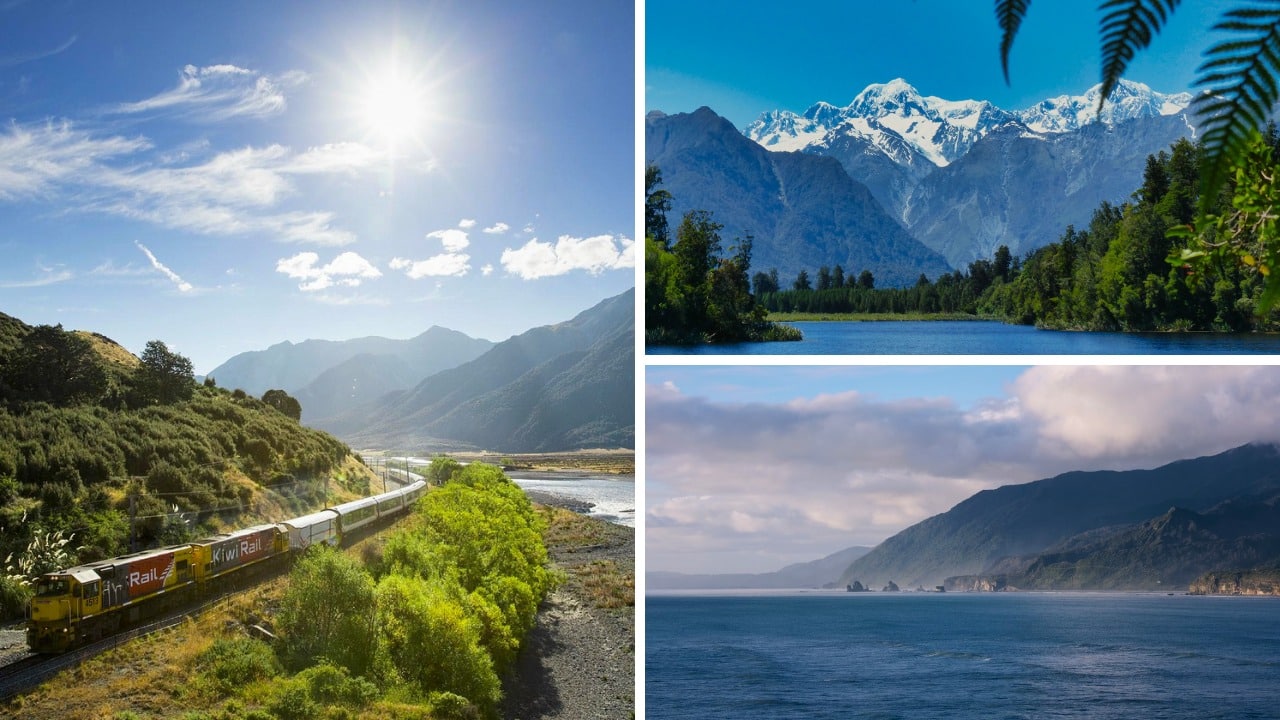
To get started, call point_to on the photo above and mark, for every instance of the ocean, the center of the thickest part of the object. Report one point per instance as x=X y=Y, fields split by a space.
x=955 y=655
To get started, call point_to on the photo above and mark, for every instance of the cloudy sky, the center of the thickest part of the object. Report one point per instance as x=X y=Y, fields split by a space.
x=743 y=57
x=749 y=469
x=223 y=176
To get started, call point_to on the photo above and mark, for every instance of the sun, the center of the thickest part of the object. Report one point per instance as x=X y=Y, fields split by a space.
x=393 y=106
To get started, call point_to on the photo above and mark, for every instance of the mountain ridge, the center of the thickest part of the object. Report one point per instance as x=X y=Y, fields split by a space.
x=1028 y=519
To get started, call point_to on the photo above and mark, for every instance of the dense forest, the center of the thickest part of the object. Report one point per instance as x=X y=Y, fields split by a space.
x=1125 y=271
x=693 y=294
x=101 y=451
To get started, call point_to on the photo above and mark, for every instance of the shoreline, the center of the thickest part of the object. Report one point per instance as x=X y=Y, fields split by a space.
x=578 y=661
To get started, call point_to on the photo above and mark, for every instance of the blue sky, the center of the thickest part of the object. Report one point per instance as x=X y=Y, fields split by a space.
x=743 y=58
x=749 y=469
x=224 y=176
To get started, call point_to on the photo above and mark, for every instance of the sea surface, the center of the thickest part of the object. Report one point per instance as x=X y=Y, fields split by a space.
x=979 y=337
x=825 y=654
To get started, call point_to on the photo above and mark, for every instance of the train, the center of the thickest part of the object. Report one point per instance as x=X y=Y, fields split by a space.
x=88 y=602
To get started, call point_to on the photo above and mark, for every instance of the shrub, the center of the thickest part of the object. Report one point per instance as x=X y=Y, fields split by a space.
x=14 y=596
x=235 y=662
x=327 y=612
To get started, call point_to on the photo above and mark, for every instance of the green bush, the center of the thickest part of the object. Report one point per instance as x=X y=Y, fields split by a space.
x=13 y=598
x=327 y=612
x=432 y=643
x=235 y=662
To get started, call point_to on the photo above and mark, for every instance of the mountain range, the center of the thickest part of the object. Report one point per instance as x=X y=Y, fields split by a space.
x=327 y=376
x=812 y=574
x=558 y=387
x=961 y=177
x=1139 y=529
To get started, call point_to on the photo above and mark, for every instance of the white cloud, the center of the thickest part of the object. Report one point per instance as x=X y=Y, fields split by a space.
x=346 y=270
x=596 y=254
x=497 y=228
x=218 y=92
x=487 y=269
x=182 y=285
x=466 y=223
x=234 y=192
x=443 y=265
x=36 y=159
x=453 y=240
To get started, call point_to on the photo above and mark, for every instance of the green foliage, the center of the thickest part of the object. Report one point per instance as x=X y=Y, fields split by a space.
x=1127 y=27
x=324 y=690
x=432 y=643
x=54 y=366
x=1240 y=76
x=442 y=469
x=1247 y=232
x=14 y=595
x=164 y=378
x=328 y=612
x=231 y=663
x=282 y=401
x=1239 y=79
x=692 y=293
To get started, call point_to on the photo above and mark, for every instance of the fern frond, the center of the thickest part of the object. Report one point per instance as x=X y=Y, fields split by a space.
x=1009 y=14
x=1239 y=78
x=1127 y=27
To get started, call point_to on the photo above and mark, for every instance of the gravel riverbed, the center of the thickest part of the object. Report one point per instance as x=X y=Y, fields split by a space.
x=578 y=663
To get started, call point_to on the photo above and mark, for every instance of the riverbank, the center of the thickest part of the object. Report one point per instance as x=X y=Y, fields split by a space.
x=608 y=462
x=871 y=317
x=578 y=662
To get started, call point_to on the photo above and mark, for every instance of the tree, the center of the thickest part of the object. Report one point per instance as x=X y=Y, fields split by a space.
x=802 y=281
x=656 y=205
x=866 y=280
x=165 y=377
x=54 y=366
x=328 y=611
x=824 y=278
x=762 y=283
x=282 y=401
x=1239 y=80
x=837 y=277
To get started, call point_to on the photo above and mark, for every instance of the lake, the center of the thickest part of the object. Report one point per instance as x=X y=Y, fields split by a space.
x=981 y=337
x=925 y=655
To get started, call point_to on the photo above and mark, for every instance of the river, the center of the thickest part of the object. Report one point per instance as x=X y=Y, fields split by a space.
x=981 y=337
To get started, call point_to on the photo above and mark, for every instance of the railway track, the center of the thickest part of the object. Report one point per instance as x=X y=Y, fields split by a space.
x=29 y=671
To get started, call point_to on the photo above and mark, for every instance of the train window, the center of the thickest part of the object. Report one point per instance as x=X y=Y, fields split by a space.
x=91 y=590
x=52 y=587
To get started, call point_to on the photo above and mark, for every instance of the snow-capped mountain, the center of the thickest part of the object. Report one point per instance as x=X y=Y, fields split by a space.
x=908 y=127
x=1129 y=101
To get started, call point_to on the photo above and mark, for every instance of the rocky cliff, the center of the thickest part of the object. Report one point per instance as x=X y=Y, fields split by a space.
x=1250 y=582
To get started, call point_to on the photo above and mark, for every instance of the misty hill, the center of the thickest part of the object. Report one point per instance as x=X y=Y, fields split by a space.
x=296 y=368
x=801 y=210
x=1028 y=519
x=557 y=387
x=813 y=574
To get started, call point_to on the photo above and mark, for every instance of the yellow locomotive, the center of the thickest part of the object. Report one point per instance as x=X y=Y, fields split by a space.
x=91 y=601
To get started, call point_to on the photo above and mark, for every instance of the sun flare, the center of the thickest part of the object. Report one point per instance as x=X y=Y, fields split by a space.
x=393 y=106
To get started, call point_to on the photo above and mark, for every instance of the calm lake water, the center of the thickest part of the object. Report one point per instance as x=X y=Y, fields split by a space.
x=977 y=337
x=909 y=655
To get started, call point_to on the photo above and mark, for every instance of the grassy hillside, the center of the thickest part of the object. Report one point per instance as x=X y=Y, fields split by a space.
x=85 y=445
